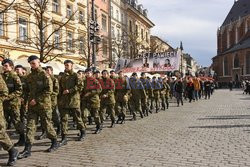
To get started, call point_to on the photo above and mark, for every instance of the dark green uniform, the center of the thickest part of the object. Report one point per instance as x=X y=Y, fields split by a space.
x=121 y=98
x=70 y=102
x=156 y=91
x=107 y=98
x=5 y=141
x=55 y=92
x=137 y=93
x=24 y=96
x=12 y=103
x=40 y=89
x=144 y=100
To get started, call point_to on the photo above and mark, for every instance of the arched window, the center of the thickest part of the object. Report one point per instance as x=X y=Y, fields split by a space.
x=225 y=65
x=236 y=61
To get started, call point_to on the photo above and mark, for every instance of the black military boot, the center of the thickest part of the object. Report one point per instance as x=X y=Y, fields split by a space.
x=112 y=124
x=42 y=136
x=13 y=154
x=98 y=129
x=167 y=105
x=90 y=120
x=134 y=117
x=26 y=152
x=82 y=135
x=54 y=146
x=21 y=141
x=58 y=130
x=123 y=119
x=141 y=114
x=119 y=119
x=64 y=140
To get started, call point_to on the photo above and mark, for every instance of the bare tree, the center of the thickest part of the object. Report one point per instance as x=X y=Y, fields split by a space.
x=5 y=6
x=49 y=37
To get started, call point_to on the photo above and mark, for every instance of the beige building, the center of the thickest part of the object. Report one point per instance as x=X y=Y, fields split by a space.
x=138 y=29
x=64 y=32
x=158 y=45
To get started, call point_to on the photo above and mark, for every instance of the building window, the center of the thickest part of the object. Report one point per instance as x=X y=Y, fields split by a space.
x=23 y=29
x=117 y=15
x=118 y=34
x=112 y=32
x=70 y=41
x=225 y=66
x=142 y=34
x=111 y=11
x=136 y=30
x=104 y=23
x=95 y=15
x=57 y=39
x=69 y=11
x=248 y=63
x=81 y=44
x=122 y=18
x=146 y=36
x=1 y=25
x=130 y=25
x=55 y=6
x=105 y=47
x=236 y=61
x=81 y=17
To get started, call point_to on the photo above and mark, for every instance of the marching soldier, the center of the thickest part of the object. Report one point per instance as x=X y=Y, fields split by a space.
x=147 y=88
x=107 y=97
x=39 y=105
x=12 y=103
x=167 y=91
x=121 y=97
x=23 y=110
x=90 y=98
x=55 y=113
x=137 y=93
x=5 y=141
x=157 y=87
x=70 y=87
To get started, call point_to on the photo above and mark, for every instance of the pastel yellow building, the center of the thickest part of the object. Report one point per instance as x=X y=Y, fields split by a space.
x=64 y=30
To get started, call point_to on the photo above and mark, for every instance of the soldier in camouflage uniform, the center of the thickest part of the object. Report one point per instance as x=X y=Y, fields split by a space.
x=147 y=87
x=70 y=87
x=55 y=113
x=167 y=91
x=13 y=101
x=90 y=98
x=137 y=93
x=39 y=105
x=121 y=97
x=5 y=141
x=107 y=97
x=156 y=91
x=23 y=109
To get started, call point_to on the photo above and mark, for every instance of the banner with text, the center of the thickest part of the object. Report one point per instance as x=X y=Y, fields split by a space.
x=151 y=62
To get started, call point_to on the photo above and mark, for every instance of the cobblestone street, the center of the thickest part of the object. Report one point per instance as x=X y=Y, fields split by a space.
x=212 y=133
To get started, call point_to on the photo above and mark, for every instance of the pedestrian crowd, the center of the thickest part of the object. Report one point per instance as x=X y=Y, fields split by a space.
x=89 y=97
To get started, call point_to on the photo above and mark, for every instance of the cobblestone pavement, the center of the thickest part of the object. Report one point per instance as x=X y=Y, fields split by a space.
x=212 y=133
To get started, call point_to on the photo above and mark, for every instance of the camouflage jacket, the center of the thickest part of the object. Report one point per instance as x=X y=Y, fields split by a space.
x=91 y=92
x=70 y=81
x=108 y=90
x=15 y=89
x=3 y=93
x=55 y=91
x=39 y=88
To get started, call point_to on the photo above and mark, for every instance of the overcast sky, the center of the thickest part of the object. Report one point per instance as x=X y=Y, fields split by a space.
x=194 y=22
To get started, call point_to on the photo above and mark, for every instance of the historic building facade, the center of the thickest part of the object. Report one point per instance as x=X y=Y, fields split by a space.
x=232 y=62
x=20 y=30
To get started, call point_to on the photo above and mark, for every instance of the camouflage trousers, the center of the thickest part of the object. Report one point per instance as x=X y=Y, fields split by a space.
x=32 y=118
x=5 y=141
x=144 y=105
x=121 y=108
x=77 y=115
x=88 y=110
x=13 y=116
x=135 y=105
x=109 y=109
